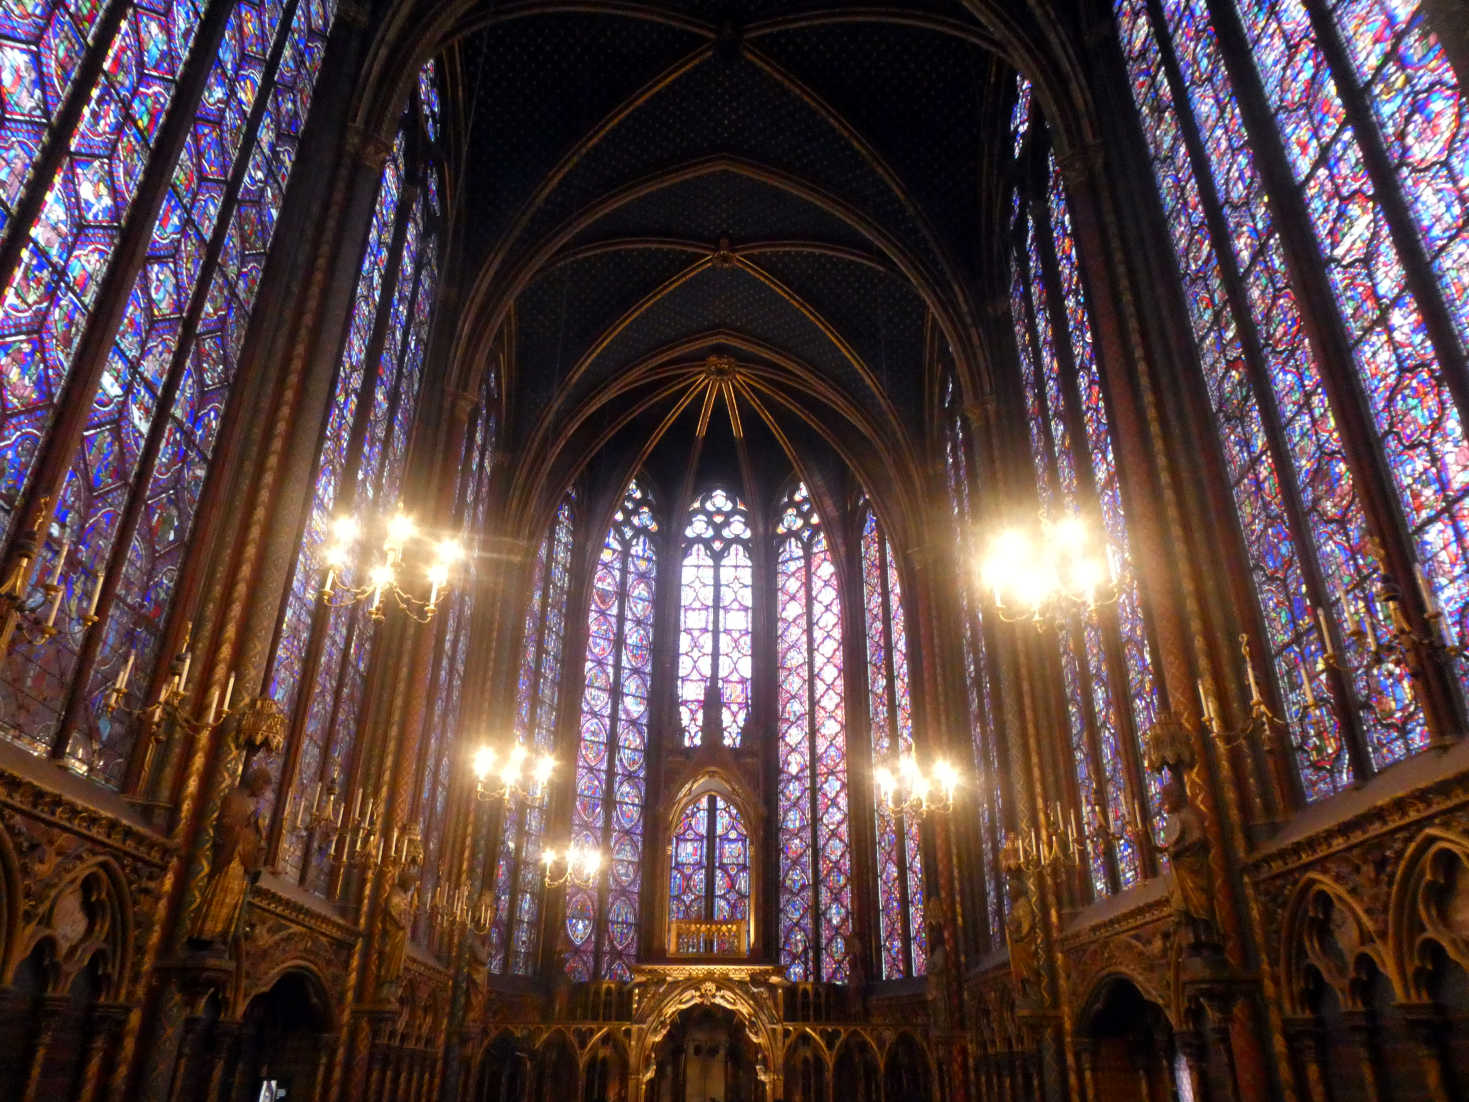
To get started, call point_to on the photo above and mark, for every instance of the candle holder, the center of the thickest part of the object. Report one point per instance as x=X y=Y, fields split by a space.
x=31 y=607
x=1261 y=717
x=1058 y=846
x=577 y=864
x=382 y=580
x=1048 y=572
x=457 y=907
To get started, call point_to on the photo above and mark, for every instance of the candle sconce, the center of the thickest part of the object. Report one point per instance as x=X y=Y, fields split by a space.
x=1261 y=717
x=31 y=608
x=1058 y=847
x=455 y=908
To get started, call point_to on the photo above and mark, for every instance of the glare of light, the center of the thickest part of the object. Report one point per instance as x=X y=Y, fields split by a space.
x=438 y=575
x=450 y=551
x=401 y=529
x=542 y=772
x=381 y=576
x=484 y=762
x=345 y=530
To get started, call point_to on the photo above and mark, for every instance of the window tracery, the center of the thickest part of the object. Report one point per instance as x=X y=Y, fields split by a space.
x=1368 y=117
x=815 y=905
x=714 y=617
x=902 y=934
x=131 y=488
x=601 y=932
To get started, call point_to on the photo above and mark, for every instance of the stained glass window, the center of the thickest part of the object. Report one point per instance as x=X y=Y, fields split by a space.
x=319 y=670
x=601 y=936
x=903 y=938
x=1296 y=497
x=815 y=916
x=128 y=501
x=1106 y=664
x=514 y=936
x=710 y=875
x=714 y=611
x=449 y=705
x=983 y=728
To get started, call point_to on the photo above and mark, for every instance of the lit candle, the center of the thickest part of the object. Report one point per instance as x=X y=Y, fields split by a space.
x=55 y=604
x=316 y=798
x=229 y=695
x=356 y=804
x=1325 y=632
x=60 y=562
x=96 y=596
x=212 y=709
x=1203 y=700
x=184 y=671
x=126 y=672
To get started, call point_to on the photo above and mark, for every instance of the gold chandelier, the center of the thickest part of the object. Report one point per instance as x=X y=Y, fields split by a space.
x=1048 y=572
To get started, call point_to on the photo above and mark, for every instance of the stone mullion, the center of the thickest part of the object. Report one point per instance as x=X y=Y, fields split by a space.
x=969 y=841
x=809 y=657
x=1286 y=782
x=847 y=557
x=57 y=144
x=1418 y=274
x=514 y=809
x=1324 y=328
x=245 y=578
x=38 y=499
x=890 y=690
x=1139 y=439
x=560 y=801
x=1107 y=621
x=181 y=604
x=322 y=613
x=1072 y=628
x=609 y=809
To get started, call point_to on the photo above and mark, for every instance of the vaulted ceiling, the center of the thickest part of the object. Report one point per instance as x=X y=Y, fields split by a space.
x=792 y=194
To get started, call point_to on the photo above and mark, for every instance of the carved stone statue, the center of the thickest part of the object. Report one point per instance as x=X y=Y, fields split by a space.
x=1187 y=845
x=1021 y=926
x=397 y=916
x=239 y=851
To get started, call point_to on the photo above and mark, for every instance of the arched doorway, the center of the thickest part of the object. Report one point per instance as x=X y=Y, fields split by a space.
x=805 y=1071
x=856 y=1074
x=906 y=1076
x=504 y=1071
x=1129 y=1052
x=285 y=1041
x=556 y=1072
x=706 y=1056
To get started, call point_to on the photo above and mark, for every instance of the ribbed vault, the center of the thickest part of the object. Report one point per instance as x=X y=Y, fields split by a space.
x=801 y=192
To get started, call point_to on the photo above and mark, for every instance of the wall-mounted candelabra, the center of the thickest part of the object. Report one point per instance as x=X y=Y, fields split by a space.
x=1048 y=572
x=1054 y=849
x=31 y=605
x=383 y=572
x=449 y=907
x=906 y=788
x=516 y=773
x=575 y=864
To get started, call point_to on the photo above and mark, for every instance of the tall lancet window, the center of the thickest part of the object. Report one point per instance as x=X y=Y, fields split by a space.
x=602 y=921
x=1105 y=658
x=903 y=938
x=812 y=794
x=448 y=712
x=1366 y=110
x=709 y=879
x=983 y=729
x=152 y=363
x=518 y=880
x=319 y=669
x=714 y=620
